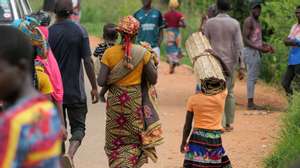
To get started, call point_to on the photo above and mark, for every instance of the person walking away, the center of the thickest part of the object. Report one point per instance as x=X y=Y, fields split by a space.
x=70 y=44
x=30 y=125
x=254 y=46
x=174 y=21
x=41 y=76
x=204 y=148
x=211 y=12
x=47 y=64
x=293 y=69
x=48 y=6
x=225 y=37
x=123 y=68
x=151 y=30
x=29 y=26
x=76 y=11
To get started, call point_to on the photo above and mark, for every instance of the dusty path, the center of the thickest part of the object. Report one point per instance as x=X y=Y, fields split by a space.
x=247 y=145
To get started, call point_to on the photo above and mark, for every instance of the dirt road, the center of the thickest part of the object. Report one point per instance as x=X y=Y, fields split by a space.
x=251 y=140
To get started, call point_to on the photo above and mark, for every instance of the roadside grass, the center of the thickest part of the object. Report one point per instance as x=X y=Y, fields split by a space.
x=288 y=147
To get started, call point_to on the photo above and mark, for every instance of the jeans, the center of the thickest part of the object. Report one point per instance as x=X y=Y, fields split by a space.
x=292 y=72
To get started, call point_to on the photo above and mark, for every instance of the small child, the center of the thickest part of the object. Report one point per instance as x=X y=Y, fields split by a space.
x=36 y=123
x=110 y=35
x=204 y=148
x=43 y=81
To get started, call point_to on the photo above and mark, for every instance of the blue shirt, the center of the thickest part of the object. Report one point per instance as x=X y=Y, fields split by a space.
x=151 y=22
x=294 y=55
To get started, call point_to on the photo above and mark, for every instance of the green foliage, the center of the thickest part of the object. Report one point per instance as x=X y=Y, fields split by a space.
x=279 y=17
x=96 y=13
x=240 y=10
x=287 y=149
x=193 y=11
x=36 y=4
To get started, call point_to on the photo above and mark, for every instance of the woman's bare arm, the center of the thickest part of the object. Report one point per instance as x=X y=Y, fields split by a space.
x=103 y=75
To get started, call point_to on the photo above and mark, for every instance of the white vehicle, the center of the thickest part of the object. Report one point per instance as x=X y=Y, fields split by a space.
x=11 y=10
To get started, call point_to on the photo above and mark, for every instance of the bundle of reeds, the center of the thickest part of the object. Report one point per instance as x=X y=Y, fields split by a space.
x=207 y=68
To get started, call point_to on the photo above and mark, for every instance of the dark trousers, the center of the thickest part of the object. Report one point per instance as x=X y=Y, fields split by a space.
x=291 y=73
x=76 y=114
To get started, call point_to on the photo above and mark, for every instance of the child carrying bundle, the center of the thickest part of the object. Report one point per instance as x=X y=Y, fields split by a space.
x=205 y=109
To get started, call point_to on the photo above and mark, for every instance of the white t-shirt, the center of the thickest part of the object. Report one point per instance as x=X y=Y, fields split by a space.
x=75 y=3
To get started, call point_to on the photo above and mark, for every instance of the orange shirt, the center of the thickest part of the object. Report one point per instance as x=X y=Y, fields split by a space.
x=208 y=110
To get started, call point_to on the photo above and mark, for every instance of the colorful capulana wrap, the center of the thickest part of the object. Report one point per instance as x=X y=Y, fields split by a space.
x=30 y=134
x=29 y=26
x=124 y=126
x=205 y=150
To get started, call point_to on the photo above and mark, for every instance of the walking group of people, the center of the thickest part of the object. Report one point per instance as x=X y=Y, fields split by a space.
x=238 y=51
x=36 y=59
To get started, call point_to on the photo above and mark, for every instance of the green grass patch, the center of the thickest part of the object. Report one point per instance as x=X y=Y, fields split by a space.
x=288 y=147
x=36 y=4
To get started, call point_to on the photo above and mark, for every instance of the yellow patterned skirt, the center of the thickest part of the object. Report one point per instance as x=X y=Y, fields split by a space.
x=125 y=128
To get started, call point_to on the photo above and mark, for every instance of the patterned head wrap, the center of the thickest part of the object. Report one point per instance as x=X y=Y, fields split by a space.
x=173 y=4
x=29 y=26
x=128 y=27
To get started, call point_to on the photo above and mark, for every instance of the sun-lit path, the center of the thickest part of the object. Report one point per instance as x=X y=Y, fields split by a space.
x=247 y=145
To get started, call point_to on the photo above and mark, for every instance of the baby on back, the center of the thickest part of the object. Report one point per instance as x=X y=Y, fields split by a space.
x=110 y=35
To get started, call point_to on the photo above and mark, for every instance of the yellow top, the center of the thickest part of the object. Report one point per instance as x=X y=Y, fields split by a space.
x=44 y=84
x=208 y=110
x=114 y=55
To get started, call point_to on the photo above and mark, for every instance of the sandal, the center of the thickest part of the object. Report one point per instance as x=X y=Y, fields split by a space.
x=228 y=128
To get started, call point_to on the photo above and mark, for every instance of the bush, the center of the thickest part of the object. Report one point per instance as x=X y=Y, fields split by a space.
x=279 y=17
x=288 y=147
x=96 y=13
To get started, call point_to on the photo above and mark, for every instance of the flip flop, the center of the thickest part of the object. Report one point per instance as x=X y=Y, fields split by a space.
x=67 y=162
x=228 y=129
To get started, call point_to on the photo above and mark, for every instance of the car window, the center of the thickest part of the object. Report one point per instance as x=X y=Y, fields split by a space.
x=6 y=14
